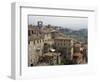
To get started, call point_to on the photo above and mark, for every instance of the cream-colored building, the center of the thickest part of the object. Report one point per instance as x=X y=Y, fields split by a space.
x=67 y=43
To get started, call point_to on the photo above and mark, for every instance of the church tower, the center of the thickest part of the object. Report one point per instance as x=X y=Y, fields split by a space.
x=40 y=24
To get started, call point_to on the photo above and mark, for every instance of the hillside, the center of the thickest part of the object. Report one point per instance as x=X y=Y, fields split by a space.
x=81 y=34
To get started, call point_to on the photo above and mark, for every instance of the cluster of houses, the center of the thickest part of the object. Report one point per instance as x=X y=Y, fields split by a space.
x=48 y=46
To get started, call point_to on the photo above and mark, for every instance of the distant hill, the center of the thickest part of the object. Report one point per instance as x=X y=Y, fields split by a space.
x=81 y=34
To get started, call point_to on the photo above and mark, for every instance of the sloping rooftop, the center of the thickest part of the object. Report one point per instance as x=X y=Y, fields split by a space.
x=35 y=37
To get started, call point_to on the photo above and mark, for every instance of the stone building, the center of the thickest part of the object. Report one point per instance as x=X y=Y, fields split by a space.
x=45 y=43
x=64 y=43
x=35 y=46
x=77 y=53
x=37 y=37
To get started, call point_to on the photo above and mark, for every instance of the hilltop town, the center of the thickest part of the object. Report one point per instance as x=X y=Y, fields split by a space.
x=48 y=45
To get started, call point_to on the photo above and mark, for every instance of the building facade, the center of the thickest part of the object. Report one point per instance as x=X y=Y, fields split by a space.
x=46 y=40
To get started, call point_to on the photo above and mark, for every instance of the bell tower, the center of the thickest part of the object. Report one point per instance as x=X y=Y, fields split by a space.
x=40 y=24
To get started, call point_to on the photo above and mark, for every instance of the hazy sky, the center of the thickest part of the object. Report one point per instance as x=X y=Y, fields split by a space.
x=69 y=22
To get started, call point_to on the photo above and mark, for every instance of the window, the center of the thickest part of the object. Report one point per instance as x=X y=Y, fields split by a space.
x=29 y=33
x=32 y=32
x=40 y=41
x=28 y=42
x=34 y=41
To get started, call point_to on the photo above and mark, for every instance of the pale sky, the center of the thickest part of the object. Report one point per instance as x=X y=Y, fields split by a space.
x=66 y=22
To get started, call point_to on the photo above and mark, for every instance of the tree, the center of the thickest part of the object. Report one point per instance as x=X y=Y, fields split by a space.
x=65 y=53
